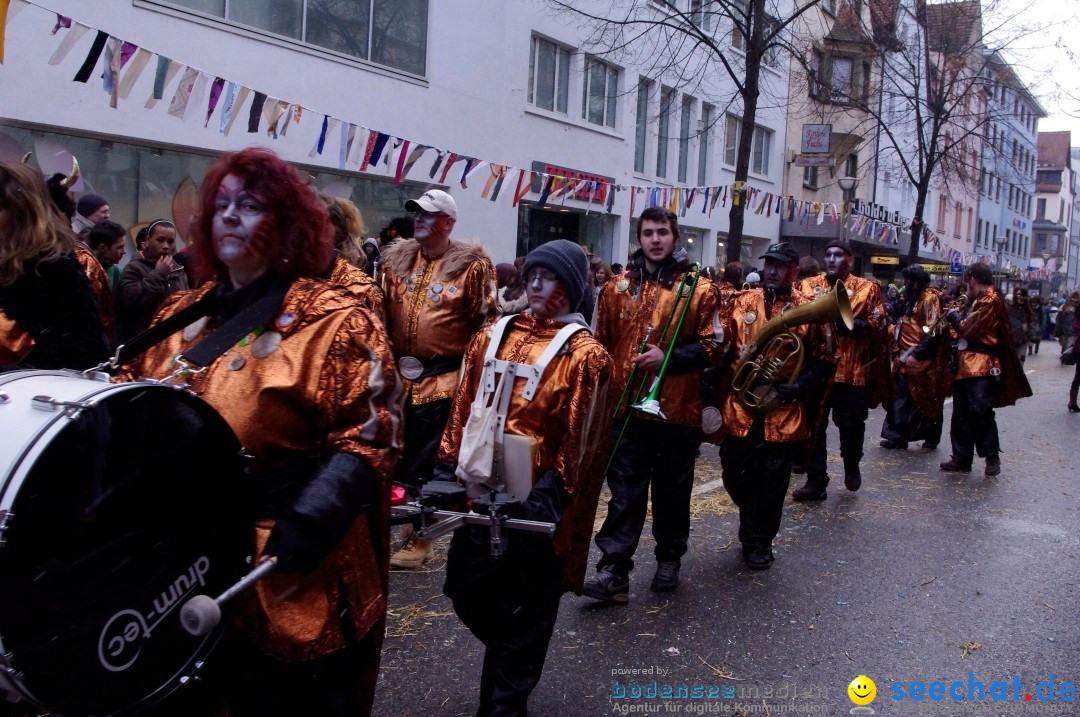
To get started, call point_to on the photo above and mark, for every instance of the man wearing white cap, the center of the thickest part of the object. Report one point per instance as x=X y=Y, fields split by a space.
x=439 y=293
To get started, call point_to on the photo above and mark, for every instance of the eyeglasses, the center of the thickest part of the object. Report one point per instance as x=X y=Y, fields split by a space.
x=544 y=277
x=422 y=214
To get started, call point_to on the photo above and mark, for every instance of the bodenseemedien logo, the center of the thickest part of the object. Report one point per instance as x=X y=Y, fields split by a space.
x=862 y=692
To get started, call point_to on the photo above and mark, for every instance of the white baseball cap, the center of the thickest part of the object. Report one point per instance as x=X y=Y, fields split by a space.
x=433 y=200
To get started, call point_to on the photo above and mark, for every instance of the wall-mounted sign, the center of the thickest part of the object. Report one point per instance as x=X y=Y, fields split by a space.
x=886 y=260
x=880 y=213
x=583 y=192
x=802 y=160
x=934 y=267
x=816 y=138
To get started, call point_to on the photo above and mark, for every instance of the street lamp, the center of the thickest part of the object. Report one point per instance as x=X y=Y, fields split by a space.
x=847 y=186
x=999 y=245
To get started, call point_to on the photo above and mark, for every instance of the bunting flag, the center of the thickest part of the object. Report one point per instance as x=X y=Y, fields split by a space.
x=71 y=38
x=343 y=149
x=378 y=146
x=227 y=106
x=414 y=156
x=215 y=95
x=241 y=97
x=179 y=102
x=495 y=172
x=499 y=182
x=520 y=192
x=92 y=57
x=454 y=156
x=4 y=4
x=134 y=72
x=255 y=112
x=548 y=181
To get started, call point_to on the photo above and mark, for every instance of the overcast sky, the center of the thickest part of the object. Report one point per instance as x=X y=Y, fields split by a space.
x=1042 y=39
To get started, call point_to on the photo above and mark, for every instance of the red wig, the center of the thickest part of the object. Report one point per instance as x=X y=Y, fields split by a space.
x=298 y=236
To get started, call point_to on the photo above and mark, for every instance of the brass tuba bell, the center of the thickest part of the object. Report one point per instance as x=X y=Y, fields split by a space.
x=776 y=355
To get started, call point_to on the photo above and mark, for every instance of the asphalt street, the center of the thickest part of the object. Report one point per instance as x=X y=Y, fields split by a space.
x=919 y=577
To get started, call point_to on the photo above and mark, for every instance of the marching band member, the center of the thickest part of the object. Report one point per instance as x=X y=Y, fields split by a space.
x=757 y=449
x=988 y=375
x=345 y=270
x=923 y=379
x=511 y=603
x=862 y=377
x=49 y=316
x=439 y=293
x=311 y=391
x=653 y=452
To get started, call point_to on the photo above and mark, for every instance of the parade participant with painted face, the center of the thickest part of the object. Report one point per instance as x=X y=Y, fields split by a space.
x=511 y=603
x=923 y=379
x=862 y=380
x=989 y=373
x=756 y=452
x=149 y=278
x=346 y=270
x=439 y=294
x=49 y=316
x=654 y=453
x=312 y=393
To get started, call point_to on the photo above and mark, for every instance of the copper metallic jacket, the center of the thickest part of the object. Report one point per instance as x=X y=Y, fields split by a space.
x=99 y=282
x=930 y=382
x=853 y=355
x=742 y=319
x=330 y=385
x=15 y=341
x=632 y=302
x=987 y=323
x=434 y=306
x=359 y=284
x=568 y=417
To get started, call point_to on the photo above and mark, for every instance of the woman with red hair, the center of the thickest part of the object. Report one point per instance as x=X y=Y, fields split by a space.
x=311 y=390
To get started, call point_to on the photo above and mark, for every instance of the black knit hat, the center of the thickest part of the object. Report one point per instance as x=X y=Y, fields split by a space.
x=568 y=262
x=839 y=244
x=90 y=203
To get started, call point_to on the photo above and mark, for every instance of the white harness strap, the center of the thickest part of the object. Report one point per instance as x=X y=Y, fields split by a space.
x=530 y=372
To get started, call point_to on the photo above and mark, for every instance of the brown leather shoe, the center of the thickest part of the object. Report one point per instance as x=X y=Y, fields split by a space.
x=993 y=467
x=413 y=554
x=952 y=466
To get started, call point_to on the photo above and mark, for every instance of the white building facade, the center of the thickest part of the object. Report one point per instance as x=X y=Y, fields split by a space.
x=378 y=103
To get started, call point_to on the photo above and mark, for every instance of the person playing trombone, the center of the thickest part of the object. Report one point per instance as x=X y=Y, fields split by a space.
x=656 y=315
x=759 y=438
x=922 y=376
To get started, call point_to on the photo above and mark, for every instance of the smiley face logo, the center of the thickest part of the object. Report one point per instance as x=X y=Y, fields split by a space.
x=862 y=690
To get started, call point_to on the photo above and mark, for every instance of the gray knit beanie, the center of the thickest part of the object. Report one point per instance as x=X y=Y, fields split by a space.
x=568 y=262
x=90 y=203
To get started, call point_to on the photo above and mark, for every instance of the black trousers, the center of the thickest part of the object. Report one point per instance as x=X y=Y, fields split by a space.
x=756 y=475
x=973 y=424
x=511 y=605
x=424 y=425
x=904 y=422
x=660 y=455
x=847 y=404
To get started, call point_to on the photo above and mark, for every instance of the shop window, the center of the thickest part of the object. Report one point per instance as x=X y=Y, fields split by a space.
x=387 y=32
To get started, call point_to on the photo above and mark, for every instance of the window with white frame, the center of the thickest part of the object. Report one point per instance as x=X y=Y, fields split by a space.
x=810 y=177
x=704 y=133
x=762 y=146
x=549 y=75
x=387 y=32
x=773 y=53
x=731 y=138
x=740 y=11
x=667 y=101
x=641 y=129
x=684 y=136
x=601 y=91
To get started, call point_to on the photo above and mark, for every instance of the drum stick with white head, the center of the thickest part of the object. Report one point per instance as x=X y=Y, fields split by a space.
x=202 y=613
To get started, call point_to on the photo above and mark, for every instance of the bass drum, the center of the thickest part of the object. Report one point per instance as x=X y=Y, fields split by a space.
x=118 y=502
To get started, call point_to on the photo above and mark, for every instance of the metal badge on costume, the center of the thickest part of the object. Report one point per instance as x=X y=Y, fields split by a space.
x=106 y=529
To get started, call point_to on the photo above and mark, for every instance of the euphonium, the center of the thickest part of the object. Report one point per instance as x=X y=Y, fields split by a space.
x=942 y=321
x=776 y=351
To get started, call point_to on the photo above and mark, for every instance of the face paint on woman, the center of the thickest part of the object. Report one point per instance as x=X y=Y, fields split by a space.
x=238 y=216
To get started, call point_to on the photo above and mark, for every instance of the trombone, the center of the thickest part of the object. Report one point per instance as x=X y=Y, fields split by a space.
x=684 y=294
x=942 y=321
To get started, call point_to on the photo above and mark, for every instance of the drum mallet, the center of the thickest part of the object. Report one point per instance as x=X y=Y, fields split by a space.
x=202 y=613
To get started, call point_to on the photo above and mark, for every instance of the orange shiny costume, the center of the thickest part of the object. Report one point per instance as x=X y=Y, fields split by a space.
x=930 y=381
x=15 y=342
x=987 y=323
x=742 y=319
x=629 y=305
x=568 y=416
x=99 y=282
x=434 y=306
x=318 y=379
x=358 y=283
x=726 y=291
x=859 y=361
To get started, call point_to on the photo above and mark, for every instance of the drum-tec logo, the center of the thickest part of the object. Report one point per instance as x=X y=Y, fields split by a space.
x=120 y=642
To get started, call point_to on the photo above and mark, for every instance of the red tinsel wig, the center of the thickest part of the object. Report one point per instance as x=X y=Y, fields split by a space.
x=298 y=235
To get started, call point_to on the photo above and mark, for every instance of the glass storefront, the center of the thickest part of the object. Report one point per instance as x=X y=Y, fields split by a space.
x=144 y=183
x=593 y=231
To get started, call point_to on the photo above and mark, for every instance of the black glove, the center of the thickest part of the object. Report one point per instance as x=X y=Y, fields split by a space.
x=546 y=499
x=860 y=330
x=298 y=545
x=788 y=392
